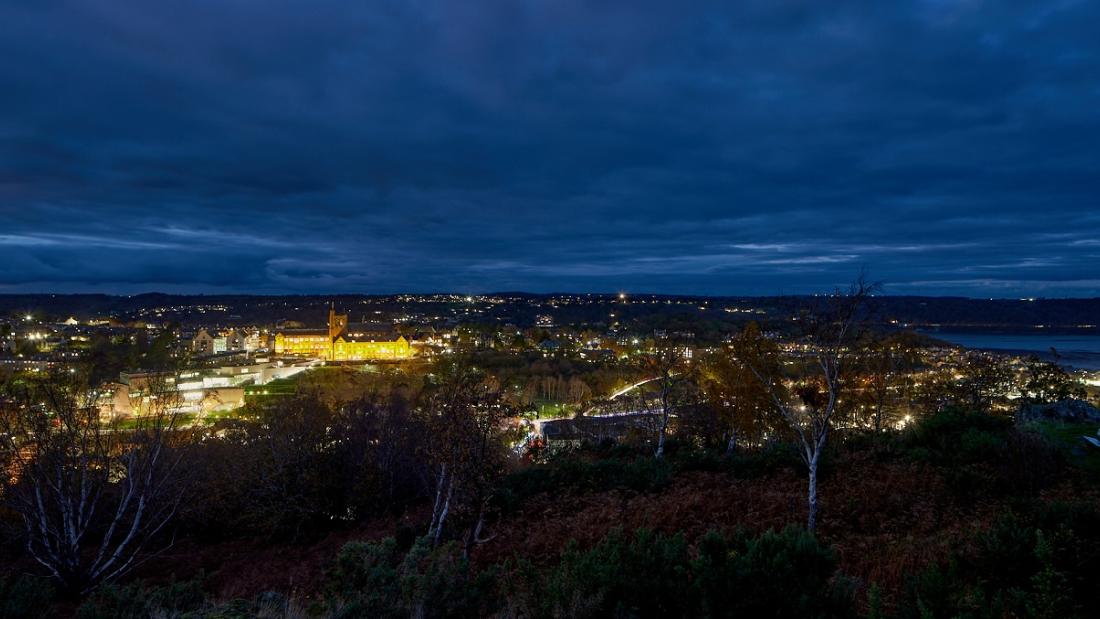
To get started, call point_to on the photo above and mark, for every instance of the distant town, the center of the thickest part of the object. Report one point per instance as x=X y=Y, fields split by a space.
x=226 y=350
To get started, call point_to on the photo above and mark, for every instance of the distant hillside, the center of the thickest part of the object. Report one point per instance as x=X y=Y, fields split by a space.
x=521 y=308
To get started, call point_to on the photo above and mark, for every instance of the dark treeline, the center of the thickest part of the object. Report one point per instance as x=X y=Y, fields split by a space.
x=523 y=308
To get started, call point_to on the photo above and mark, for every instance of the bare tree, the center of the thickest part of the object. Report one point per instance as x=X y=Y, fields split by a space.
x=880 y=370
x=579 y=391
x=668 y=371
x=92 y=491
x=467 y=445
x=830 y=332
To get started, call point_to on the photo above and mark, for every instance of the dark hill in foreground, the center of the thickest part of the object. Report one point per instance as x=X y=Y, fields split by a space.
x=962 y=515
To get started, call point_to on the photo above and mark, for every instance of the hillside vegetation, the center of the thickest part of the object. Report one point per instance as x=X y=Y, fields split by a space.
x=962 y=514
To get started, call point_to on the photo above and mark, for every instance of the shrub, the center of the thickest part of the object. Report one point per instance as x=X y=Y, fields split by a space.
x=784 y=574
x=570 y=473
x=789 y=574
x=1036 y=563
x=378 y=579
x=773 y=457
x=138 y=601
x=983 y=454
x=1004 y=553
x=643 y=575
x=435 y=582
x=25 y=597
x=955 y=435
x=366 y=574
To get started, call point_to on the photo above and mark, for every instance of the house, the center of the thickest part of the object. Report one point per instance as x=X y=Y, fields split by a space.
x=202 y=343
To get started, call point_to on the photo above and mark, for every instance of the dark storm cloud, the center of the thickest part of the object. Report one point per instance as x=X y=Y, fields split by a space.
x=750 y=147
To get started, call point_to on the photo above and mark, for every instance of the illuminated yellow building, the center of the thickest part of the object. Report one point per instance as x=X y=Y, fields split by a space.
x=304 y=342
x=343 y=342
x=356 y=349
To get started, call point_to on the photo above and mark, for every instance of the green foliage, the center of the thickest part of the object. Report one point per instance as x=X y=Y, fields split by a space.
x=369 y=572
x=778 y=574
x=1043 y=563
x=646 y=574
x=25 y=597
x=185 y=600
x=438 y=581
x=378 y=579
x=1067 y=437
x=1052 y=591
x=789 y=574
x=1004 y=552
x=137 y=601
x=109 y=355
x=983 y=454
x=628 y=576
x=956 y=435
x=574 y=474
x=874 y=602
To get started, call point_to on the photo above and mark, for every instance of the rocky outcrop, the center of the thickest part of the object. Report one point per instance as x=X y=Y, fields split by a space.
x=1069 y=411
x=1095 y=442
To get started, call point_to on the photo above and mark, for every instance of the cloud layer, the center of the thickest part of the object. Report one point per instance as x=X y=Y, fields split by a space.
x=749 y=147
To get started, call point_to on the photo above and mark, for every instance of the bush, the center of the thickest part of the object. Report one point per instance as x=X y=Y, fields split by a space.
x=954 y=435
x=745 y=464
x=436 y=582
x=379 y=579
x=366 y=574
x=624 y=468
x=1043 y=562
x=982 y=454
x=785 y=574
x=25 y=597
x=772 y=458
x=790 y=574
x=779 y=574
x=645 y=574
x=571 y=473
x=185 y=600
x=137 y=601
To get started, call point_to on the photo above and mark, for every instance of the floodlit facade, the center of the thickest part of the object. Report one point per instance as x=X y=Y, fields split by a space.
x=356 y=349
x=342 y=342
x=303 y=342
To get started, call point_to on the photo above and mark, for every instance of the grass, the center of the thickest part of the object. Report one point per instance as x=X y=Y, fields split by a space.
x=1068 y=437
x=553 y=410
x=183 y=420
x=277 y=387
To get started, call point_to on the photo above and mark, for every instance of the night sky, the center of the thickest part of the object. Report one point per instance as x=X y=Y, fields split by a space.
x=749 y=147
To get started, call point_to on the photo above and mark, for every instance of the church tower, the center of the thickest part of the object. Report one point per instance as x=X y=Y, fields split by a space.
x=337 y=324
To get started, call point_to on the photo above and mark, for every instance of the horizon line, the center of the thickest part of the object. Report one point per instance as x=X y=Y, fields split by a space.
x=1031 y=298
